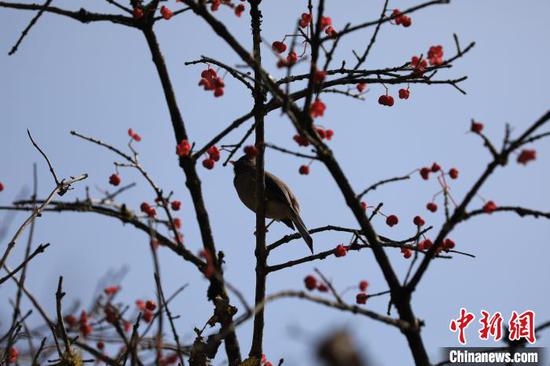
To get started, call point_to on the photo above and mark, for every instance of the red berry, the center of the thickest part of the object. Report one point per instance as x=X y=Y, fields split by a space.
x=304 y=170
x=251 y=151
x=86 y=329
x=177 y=222
x=386 y=100
x=325 y=22
x=331 y=32
x=144 y=207
x=340 y=251
x=147 y=316
x=435 y=55
x=407 y=253
x=70 y=320
x=319 y=76
x=526 y=156
x=431 y=207
x=305 y=19
x=150 y=305
x=166 y=13
x=329 y=134
x=435 y=167
x=218 y=92
x=425 y=244
x=100 y=345
x=453 y=173
x=310 y=282
x=361 y=298
x=364 y=205
x=151 y=212
x=317 y=108
x=392 y=220
x=404 y=93
x=489 y=207
x=13 y=353
x=419 y=221
x=291 y=58
x=448 y=244
x=301 y=140
x=208 y=163
x=114 y=179
x=138 y=13
x=278 y=46
x=214 y=153
x=134 y=135
x=1 y=187
x=183 y=148
x=111 y=290
x=476 y=127
x=239 y=10
x=322 y=287
x=425 y=173
x=406 y=21
x=363 y=285
x=176 y=205
x=215 y=5
x=361 y=87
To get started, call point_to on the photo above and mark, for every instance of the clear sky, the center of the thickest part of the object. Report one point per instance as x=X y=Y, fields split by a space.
x=99 y=79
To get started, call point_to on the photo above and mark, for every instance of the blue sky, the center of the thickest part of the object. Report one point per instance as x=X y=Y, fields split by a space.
x=99 y=79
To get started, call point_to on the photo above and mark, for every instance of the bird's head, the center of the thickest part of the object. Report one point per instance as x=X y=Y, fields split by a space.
x=244 y=163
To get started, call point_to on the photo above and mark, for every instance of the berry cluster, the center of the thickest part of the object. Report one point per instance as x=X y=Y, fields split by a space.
x=324 y=134
x=401 y=19
x=239 y=9
x=317 y=108
x=419 y=65
x=278 y=47
x=326 y=25
x=166 y=13
x=305 y=20
x=362 y=296
x=148 y=210
x=526 y=155
x=183 y=148
x=213 y=156
x=289 y=61
x=312 y=283
x=210 y=81
x=435 y=55
x=386 y=100
x=147 y=309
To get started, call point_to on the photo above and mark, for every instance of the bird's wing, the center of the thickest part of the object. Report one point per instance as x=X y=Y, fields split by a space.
x=276 y=189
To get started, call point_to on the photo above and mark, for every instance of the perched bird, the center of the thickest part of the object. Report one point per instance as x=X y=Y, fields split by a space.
x=281 y=203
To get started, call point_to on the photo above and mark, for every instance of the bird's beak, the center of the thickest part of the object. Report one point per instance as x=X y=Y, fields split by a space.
x=232 y=162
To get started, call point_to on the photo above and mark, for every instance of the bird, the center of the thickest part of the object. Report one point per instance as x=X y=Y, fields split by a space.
x=281 y=203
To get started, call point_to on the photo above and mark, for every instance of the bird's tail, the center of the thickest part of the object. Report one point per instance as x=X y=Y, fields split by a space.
x=297 y=220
